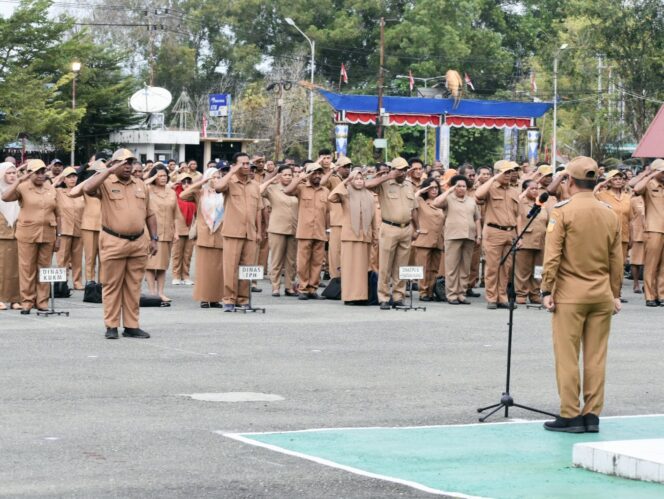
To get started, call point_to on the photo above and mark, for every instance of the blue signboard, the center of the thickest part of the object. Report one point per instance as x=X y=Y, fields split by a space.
x=219 y=104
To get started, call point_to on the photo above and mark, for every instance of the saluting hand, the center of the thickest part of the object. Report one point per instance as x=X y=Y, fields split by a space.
x=25 y=177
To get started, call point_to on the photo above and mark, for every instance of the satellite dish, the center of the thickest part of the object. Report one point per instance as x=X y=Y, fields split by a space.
x=150 y=100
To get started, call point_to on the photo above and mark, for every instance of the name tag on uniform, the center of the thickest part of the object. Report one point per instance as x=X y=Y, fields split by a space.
x=551 y=225
x=116 y=190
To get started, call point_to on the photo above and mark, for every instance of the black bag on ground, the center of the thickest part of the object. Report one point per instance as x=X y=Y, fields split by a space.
x=92 y=292
x=61 y=290
x=152 y=301
x=439 y=289
x=333 y=289
x=373 y=288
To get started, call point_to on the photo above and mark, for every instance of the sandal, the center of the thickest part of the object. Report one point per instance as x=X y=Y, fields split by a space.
x=16 y=306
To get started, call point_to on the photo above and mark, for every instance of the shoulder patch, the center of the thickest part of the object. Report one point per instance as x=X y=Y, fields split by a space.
x=561 y=203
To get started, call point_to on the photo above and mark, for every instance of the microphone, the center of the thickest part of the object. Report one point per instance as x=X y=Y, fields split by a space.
x=537 y=207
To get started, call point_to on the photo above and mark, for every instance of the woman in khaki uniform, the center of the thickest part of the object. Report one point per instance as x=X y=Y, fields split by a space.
x=183 y=246
x=209 y=284
x=37 y=232
x=9 y=287
x=612 y=192
x=281 y=231
x=71 y=213
x=90 y=227
x=428 y=245
x=357 y=226
x=164 y=204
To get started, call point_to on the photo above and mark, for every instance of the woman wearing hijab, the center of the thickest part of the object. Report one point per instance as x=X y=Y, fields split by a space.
x=357 y=225
x=183 y=246
x=37 y=232
x=71 y=212
x=209 y=284
x=9 y=287
x=428 y=246
x=164 y=204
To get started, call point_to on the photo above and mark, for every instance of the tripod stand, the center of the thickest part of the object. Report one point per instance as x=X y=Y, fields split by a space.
x=506 y=400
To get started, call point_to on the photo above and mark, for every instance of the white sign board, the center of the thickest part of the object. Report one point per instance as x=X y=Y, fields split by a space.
x=411 y=273
x=537 y=273
x=380 y=143
x=250 y=272
x=54 y=274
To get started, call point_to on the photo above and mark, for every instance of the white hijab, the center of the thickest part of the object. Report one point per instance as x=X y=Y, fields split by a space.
x=10 y=209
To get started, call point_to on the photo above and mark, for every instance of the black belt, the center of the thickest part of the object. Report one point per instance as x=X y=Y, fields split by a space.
x=501 y=227
x=394 y=224
x=128 y=237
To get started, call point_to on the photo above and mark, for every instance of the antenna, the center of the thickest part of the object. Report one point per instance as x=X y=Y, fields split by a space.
x=150 y=100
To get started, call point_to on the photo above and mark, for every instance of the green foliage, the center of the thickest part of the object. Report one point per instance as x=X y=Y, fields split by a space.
x=478 y=146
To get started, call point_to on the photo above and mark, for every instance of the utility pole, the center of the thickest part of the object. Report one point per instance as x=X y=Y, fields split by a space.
x=277 y=134
x=381 y=78
x=599 y=94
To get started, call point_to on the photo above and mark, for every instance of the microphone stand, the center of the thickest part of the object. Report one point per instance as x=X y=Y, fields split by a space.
x=506 y=400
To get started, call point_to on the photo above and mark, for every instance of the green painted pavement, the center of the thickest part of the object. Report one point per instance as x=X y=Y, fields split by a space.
x=507 y=460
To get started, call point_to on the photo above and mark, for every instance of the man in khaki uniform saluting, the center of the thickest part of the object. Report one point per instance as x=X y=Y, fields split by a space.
x=581 y=283
x=398 y=208
x=340 y=173
x=123 y=243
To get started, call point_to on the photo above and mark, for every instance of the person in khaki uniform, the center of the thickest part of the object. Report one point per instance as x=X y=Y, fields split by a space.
x=651 y=187
x=183 y=245
x=398 y=208
x=37 y=232
x=339 y=174
x=462 y=231
x=531 y=251
x=637 y=224
x=10 y=295
x=262 y=246
x=581 y=283
x=71 y=215
x=281 y=231
x=241 y=229
x=468 y=171
x=123 y=242
x=357 y=224
x=428 y=245
x=612 y=192
x=313 y=218
x=502 y=212
x=209 y=284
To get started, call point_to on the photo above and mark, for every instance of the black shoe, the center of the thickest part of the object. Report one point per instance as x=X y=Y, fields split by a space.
x=385 y=305
x=453 y=302
x=425 y=298
x=25 y=311
x=111 y=333
x=414 y=287
x=463 y=302
x=205 y=304
x=649 y=303
x=622 y=300
x=566 y=425
x=315 y=296
x=303 y=296
x=216 y=304
x=492 y=305
x=134 y=332
x=472 y=294
x=397 y=304
x=255 y=289
x=591 y=422
x=506 y=305
x=291 y=293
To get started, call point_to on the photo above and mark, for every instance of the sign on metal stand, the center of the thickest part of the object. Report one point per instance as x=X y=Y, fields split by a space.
x=250 y=273
x=410 y=273
x=51 y=275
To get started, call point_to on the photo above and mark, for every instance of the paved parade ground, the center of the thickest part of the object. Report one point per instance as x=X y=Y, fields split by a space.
x=82 y=416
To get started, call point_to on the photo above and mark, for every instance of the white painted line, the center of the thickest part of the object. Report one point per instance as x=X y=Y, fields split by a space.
x=343 y=467
x=154 y=345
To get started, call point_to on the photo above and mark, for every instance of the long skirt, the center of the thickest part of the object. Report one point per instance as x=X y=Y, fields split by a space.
x=9 y=287
x=209 y=285
x=162 y=259
x=354 y=270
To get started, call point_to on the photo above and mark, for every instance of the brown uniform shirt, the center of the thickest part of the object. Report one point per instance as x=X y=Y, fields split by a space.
x=91 y=213
x=638 y=218
x=621 y=207
x=502 y=206
x=460 y=218
x=653 y=199
x=283 y=218
x=583 y=261
x=397 y=201
x=336 y=209
x=339 y=197
x=431 y=221
x=536 y=232
x=312 y=212
x=204 y=237
x=242 y=201
x=36 y=220
x=71 y=213
x=164 y=204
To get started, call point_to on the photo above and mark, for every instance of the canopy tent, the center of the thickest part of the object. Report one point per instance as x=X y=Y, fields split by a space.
x=652 y=142
x=417 y=111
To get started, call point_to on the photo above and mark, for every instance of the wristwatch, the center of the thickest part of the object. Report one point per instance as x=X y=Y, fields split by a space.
x=58 y=235
x=155 y=238
x=545 y=293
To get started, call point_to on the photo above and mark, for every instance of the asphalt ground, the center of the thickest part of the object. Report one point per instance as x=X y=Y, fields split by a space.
x=82 y=416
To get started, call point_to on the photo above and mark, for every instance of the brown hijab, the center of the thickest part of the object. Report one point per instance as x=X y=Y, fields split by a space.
x=362 y=209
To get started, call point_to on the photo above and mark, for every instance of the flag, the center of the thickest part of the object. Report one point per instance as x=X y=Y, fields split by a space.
x=469 y=83
x=411 y=80
x=205 y=123
x=533 y=83
x=343 y=74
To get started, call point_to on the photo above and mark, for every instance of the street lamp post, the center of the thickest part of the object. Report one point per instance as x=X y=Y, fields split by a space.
x=76 y=68
x=312 y=44
x=554 y=145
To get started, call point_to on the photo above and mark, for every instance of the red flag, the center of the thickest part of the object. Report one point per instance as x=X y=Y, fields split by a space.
x=466 y=78
x=343 y=73
x=205 y=124
x=533 y=83
x=411 y=80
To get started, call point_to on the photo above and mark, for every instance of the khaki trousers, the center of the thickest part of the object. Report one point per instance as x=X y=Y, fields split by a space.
x=474 y=278
x=237 y=251
x=121 y=292
x=653 y=270
x=429 y=258
x=334 y=251
x=183 y=250
x=90 y=240
x=310 y=256
x=71 y=252
x=575 y=325
x=394 y=253
x=283 y=258
x=496 y=243
x=458 y=255
x=526 y=285
x=31 y=258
